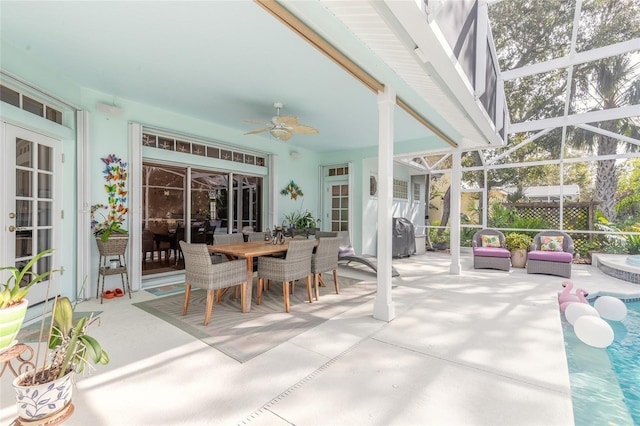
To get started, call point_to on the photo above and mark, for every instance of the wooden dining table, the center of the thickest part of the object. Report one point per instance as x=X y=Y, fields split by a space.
x=249 y=251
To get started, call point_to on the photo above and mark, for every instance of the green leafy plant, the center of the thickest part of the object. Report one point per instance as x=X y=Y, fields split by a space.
x=72 y=349
x=300 y=220
x=116 y=176
x=633 y=244
x=12 y=293
x=517 y=240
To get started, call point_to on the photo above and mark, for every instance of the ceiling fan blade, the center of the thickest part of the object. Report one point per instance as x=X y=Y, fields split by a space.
x=264 y=123
x=287 y=120
x=304 y=129
x=252 y=132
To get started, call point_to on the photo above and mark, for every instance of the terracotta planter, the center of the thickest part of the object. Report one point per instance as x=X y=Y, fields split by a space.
x=519 y=258
x=41 y=401
x=11 y=320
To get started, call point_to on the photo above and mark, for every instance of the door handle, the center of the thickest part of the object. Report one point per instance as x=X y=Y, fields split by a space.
x=12 y=228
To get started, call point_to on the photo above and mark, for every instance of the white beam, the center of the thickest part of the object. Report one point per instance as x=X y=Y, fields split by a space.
x=610 y=134
x=574 y=120
x=579 y=58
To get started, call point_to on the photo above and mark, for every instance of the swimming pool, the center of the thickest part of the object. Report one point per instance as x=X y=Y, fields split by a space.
x=604 y=383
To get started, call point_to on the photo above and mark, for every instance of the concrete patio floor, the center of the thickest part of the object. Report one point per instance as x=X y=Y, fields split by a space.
x=481 y=348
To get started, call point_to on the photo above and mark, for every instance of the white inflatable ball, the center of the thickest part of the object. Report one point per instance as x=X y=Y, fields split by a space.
x=611 y=308
x=593 y=331
x=576 y=310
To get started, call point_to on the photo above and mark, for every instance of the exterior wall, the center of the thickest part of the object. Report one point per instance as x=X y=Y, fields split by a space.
x=109 y=133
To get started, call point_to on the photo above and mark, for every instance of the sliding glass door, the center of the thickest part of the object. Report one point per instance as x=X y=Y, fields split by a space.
x=192 y=204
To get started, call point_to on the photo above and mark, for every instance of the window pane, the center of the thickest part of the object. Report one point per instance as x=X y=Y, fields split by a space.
x=32 y=106
x=24 y=149
x=23 y=183
x=44 y=213
x=9 y=96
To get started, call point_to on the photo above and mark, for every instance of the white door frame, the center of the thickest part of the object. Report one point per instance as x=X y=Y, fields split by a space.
x=8 y=214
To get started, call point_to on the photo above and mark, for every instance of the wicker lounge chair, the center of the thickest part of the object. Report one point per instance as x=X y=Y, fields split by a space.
x=347 y=255
x=554 y=258
x=485 y=257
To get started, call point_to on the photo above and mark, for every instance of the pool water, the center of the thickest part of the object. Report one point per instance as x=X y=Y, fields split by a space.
x=605 y=383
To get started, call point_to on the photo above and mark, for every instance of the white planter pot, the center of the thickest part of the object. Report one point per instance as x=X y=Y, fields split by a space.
x=11 y=320
x=41 y=401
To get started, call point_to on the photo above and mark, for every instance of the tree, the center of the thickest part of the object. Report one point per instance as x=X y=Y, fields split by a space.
x=611 y=83
x=530 y=31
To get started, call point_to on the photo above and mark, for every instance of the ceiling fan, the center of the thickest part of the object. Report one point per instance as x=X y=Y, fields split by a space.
x=282 y=127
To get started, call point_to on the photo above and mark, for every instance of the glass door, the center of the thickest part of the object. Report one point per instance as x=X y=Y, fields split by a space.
x=337 y=206
x=191 y=204
x=28 y=211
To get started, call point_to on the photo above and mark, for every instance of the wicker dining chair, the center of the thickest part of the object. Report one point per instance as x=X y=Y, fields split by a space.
x=325 y=259
x=295 y=265
x=200 y=272
x=228 y=238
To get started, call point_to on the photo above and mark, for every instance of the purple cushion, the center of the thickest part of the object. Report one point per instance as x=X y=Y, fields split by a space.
x=346 y=251
x=491 y=252
x=550 y=256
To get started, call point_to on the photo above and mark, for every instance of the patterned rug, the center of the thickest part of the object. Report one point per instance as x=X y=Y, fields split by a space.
x=166 y=290
x=245 y=336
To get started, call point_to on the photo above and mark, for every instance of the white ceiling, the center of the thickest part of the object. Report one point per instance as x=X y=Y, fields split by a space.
x=220 y=61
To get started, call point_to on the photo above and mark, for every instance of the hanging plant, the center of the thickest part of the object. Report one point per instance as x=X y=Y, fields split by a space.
x=115 y=173
x=293 y=190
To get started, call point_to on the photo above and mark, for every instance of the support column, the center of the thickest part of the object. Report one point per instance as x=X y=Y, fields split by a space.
x=383 y=308
x=454 y=219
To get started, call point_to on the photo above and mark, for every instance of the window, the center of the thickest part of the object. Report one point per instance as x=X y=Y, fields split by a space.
x=31 y=105
x=416 y=192
x=194 y=148
x=400 y=189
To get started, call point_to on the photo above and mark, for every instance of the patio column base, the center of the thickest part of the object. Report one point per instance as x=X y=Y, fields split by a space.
x=383 y=310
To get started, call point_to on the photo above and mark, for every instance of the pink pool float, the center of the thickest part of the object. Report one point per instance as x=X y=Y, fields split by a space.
x=566 y=297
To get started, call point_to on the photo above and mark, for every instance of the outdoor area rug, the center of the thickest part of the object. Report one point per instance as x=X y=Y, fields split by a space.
x=165 y=290
x=245 y=336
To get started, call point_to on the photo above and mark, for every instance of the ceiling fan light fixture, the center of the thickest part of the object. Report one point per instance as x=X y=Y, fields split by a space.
x=282 y=127
x=279 y=133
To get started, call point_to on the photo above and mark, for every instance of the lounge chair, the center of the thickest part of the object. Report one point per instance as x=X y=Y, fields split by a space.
x=489 y=250
x=551 y=253
x=347 y=254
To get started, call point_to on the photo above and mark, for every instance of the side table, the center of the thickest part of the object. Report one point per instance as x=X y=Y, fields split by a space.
x=16 y=353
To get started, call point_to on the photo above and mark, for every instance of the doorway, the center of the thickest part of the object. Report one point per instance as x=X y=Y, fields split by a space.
x=31 y=200
x=192 y=204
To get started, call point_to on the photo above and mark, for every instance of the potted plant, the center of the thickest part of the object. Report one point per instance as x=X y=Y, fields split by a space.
x=303 y=222
x=518 y=244
x=13 y=305
x=44 y=393
x=116 y=176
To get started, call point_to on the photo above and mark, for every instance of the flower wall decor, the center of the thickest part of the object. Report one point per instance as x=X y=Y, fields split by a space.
x=115 y=173
x=293 y=190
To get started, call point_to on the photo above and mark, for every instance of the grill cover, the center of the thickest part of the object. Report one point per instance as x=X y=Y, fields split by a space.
x=403 y=242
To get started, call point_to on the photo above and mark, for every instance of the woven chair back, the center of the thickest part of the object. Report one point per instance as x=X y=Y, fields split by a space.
x=228 y=238
x=326 y=255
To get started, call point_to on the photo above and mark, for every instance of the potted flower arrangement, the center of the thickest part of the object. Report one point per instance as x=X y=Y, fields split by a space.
x=518 y=244
x=44 y=393
x=13 y=305
x=300 y=222
x=115 y=173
